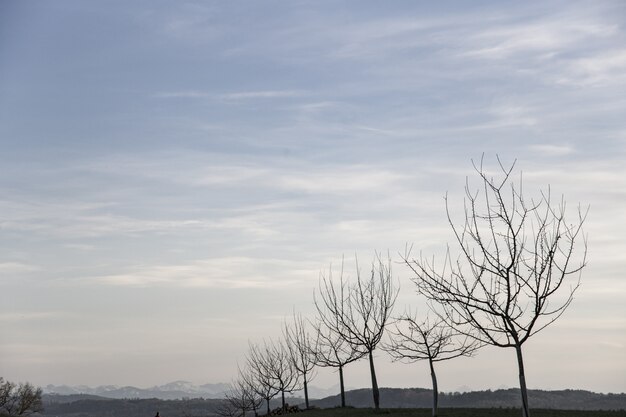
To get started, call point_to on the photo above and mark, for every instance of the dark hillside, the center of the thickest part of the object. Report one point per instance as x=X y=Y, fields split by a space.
x=399 y=402
x=419 y=397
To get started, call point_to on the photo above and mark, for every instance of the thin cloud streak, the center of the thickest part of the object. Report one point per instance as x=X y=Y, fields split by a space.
x=230 y=272
x=234 y=96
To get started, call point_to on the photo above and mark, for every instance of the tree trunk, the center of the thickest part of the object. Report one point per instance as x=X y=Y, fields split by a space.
x=374 y=382
x=268 y=406
x=283 y=398
x=522 y=381
x=343 y=392
x=435 y=389
x=306 y=393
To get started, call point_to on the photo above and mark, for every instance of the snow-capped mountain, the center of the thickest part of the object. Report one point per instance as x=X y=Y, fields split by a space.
x=169 y=391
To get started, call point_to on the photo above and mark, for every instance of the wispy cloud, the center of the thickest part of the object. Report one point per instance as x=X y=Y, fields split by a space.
x=243 y=95
x=597 y=69
x=356 y=179
x=228 y=272
x=20 y=316
x=184 y=94
x=237 y=95
x=17 y=268
x=550 y=35
x=552 y=150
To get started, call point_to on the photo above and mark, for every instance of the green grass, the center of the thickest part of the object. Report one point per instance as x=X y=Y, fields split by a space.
x=457 y=412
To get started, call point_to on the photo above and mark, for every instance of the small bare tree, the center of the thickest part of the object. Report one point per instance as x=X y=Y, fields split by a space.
x=226 y=409
x=431 y=340
x=360 y=312
x=332 y=351
x=19 y=400
x=301 y=352
x=510 y=280
x=6 y=391
x=260 y=384
x=242 y=398
x=274 y=367
x=258 y=361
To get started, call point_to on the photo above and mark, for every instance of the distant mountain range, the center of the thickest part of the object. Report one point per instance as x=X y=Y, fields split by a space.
x=171 y=391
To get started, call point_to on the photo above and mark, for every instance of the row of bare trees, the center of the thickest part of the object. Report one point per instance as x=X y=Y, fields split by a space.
x=351 y=321
x=508 y=282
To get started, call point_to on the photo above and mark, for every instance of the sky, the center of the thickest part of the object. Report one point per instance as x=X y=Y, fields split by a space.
x=174 y=176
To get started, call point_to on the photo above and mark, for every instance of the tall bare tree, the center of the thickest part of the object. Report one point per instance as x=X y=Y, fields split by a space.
x=359 y=312
x=431 y=340
x=332 y=351
x=301 y=351
x=517 y=270
x=274 y=367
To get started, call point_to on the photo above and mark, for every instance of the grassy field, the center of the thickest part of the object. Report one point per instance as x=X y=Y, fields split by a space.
x=457 y=412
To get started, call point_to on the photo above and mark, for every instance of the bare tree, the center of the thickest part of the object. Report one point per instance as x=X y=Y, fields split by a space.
x=272 y=363
x=259 y=384
x=431 y=340
x=516 y=257
x=331 y=350
x=301 y=353
x=258 y=362
x=360 y=312
x=19 y=400
x=6 y=390
x=242 y=397
x=226 y=409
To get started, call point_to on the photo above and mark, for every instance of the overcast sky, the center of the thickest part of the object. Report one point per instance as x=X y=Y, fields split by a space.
x=175 y=175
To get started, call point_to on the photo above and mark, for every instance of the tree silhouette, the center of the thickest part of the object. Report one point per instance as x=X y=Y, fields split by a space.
x=241 y=397
x=516 y=257
x=300 y=349
x=359 y=312
x=273 y=366
x=332 y=351
x=432 y=340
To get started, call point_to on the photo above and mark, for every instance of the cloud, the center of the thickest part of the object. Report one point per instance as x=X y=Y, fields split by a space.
x=15 y=316
x=605 y=68
x=17 y=268
x=552 y=150
x=548 y=35
x=226 y=272
x=355 y=179
x=183 y=94
x=243 y=95
x=238 y=95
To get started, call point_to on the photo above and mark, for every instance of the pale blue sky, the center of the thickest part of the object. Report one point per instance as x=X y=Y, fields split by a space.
x=175 y=175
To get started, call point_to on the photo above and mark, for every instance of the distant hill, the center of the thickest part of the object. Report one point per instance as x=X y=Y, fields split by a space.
x=82 y=405
x=88 y=406
x=422 y=398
